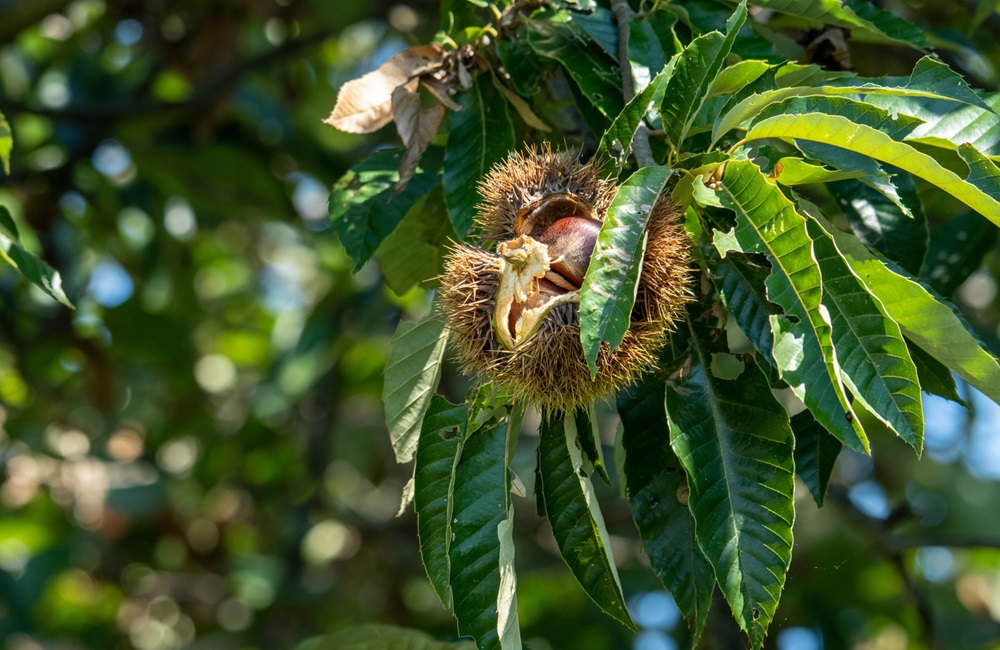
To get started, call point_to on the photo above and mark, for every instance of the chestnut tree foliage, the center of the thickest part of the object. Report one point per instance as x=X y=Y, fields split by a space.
x=817 y=317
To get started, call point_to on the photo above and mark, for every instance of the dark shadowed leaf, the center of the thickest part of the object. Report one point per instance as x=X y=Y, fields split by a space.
x=413 y=253
x=577 y=523
x=479 y=136
x=592 y=69
x=362 y=206
x=816 y=453
x=734 y=440
x=956 y=250
x=881 y=225
x=658 y=493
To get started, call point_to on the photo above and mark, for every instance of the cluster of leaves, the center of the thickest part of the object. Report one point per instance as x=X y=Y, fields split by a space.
x=802 y=190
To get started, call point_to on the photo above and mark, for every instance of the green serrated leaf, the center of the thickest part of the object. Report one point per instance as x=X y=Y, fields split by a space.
x=947 y=126
x=594 y=71
x=436 y=457
x=616 y=144
x=362 y=206
x=816 y=453
x=737 y=76
x=924 y=317
x=874 y=361
x=766 y=222
x=881 y=225
x=479 y=136
x=983 y=172
x=930 y=79
x=481 y=550
x=380 y=637
x=6 y=143
x=853 y=16
x=577 y=523
x=657 y=493
x=839 y=131
x=694 y=73
x=734 y=440
x=414 y=252
x=411 y=377
x=608 y=291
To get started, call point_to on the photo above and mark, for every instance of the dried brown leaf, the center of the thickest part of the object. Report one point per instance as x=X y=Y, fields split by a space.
x=364 y=105
x=416 y=126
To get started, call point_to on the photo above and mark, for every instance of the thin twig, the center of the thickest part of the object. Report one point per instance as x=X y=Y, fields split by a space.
x=640 y=142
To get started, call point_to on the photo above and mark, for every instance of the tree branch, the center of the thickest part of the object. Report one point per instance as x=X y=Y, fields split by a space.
x=640 y=142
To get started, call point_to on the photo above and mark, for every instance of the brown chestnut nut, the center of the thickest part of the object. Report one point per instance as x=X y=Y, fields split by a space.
x=571 y=242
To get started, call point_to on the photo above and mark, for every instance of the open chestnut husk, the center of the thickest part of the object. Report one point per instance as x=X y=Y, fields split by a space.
x=512 y=303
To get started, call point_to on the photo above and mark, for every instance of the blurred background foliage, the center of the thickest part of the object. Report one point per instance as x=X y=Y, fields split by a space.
x=195 y=456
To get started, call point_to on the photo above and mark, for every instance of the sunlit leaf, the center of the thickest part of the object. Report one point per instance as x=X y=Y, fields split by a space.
x=851 y=15
x=734 y=440
x=6 y=143
x=608 y=291
x=766 y=222
x=437 y=455
x=32 y=269
x=481 y=550
x=841 y=132
x=696 y=68
x=930 y=79
x=924 y=317
x=411 y=376
x=874 y=361
x=616 y=144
